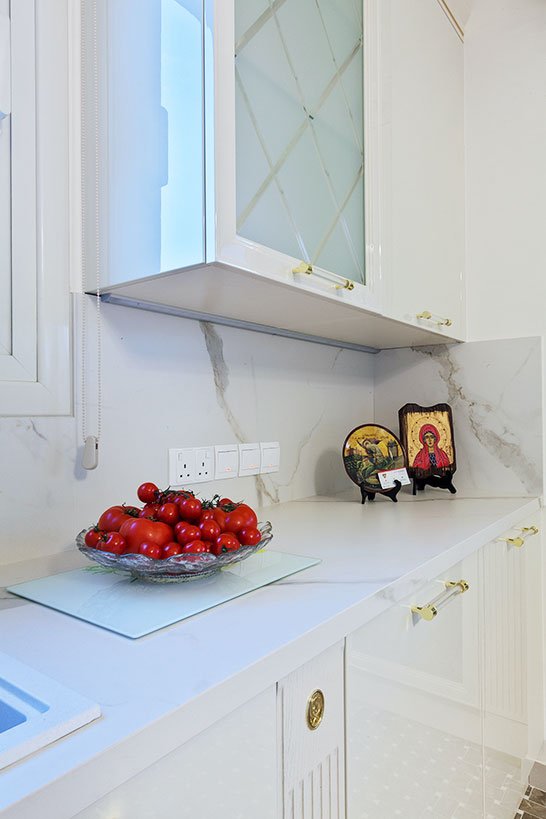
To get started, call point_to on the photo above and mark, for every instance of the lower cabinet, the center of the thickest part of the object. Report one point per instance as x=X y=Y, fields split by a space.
x=229 y=771
x=444 y=697
x=413 y=709
x=434 y=709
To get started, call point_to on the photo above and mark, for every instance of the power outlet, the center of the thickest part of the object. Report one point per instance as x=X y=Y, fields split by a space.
x=204 y=464
x=182 y=466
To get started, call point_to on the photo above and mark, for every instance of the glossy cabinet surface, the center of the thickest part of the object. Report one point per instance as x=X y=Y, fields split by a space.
x=413 y=706
x=229 y=770
x=513 y=665
x=143 y=102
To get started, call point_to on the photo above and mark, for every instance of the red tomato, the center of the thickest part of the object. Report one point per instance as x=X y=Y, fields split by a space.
x=149 y=511
x=171 y=549
x=168 y=513
x=225 y=502
x=190 y=508
x=112 y=518
x=206 y=514
x=150 y=550
x=196 y=547
x=114 y=543
x=235 y=521
x=225 y=543
x=188 y=534
x=220 y=518
x=249 y=536
x=140 y=530
x=251 y=521
x=94 y=537
x=210 y=530
x=147 y=492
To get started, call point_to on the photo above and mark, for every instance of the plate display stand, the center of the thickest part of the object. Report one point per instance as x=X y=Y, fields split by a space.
x=439 y=482
x=389 y=493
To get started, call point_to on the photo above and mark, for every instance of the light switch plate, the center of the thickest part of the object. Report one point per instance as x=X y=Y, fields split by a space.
x=250 y=459
x=270 y=457
x=226 y=461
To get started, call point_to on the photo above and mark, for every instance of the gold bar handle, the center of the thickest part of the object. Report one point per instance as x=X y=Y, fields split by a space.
x=452 y=588
x=438 y=320
x=339 y=282
x=519 y=541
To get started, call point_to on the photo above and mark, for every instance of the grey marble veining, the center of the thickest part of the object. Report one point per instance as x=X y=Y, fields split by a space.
x=494 y=389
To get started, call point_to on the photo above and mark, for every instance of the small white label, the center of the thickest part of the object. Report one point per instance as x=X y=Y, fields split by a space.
x=387 y=479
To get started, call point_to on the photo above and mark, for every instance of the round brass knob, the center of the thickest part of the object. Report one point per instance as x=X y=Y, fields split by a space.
x=315 y=710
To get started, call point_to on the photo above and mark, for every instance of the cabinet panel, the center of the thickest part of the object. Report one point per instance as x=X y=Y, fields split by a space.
x=413 y=714
x=422 y=101
x=229 y=770
x=513 y=665
x=313 y=759
x=144 y=137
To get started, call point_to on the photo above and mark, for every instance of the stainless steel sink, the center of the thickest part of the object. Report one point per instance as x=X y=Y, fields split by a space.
x=36 y=710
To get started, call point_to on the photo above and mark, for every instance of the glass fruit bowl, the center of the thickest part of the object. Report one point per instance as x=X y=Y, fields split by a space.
x=177 y=569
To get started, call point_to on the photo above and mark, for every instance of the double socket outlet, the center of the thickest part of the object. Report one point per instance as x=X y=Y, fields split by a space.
x=213 y=463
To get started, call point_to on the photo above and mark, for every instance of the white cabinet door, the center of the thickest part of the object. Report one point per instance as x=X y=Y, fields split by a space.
x=311 y=718
x=513 y=667
x=35 y=358
x=143 y=108
x=228 y=771
x=421 y=110
x=413 y=706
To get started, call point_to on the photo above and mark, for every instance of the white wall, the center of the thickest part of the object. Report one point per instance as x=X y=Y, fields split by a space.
x=505 y=78
x=172 y=382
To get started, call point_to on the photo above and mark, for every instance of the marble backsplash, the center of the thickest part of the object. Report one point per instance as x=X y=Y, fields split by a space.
x=495 y=391
x=169 y=382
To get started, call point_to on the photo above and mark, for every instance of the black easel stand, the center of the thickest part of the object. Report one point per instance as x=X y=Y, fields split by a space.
x=390 y=493
x=444 y=482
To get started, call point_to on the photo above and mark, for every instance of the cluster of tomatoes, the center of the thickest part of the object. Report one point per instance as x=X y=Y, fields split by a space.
x=174 y=523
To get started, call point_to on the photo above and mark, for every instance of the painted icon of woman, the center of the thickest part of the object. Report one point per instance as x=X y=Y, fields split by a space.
x=430 y=457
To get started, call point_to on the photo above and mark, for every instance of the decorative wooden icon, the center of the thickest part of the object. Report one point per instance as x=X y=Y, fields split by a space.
x=369 y=450
x=427 y=437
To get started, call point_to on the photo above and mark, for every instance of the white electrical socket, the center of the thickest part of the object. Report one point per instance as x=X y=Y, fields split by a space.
x=204 y=464
x=182 y=466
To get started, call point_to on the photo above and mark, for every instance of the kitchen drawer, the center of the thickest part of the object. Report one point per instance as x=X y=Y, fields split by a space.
x=413 y=704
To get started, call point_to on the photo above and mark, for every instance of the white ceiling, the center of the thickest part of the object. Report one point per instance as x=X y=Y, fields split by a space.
x=461 y=10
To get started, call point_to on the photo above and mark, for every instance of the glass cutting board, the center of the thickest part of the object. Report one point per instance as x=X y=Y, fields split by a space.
x=134 y=608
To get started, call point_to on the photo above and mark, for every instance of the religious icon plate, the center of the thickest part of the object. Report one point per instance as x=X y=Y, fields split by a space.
x=427 y=437
x=368 y=450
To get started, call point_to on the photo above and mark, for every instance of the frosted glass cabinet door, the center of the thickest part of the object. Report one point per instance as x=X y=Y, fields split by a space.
x=299 y=130
x=413 y=707
x=150 y=125
x=513 y=667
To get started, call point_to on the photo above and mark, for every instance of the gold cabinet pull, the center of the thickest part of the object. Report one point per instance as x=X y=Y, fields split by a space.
x=452 y=588
x=438 y=320
x=519 y=540
x=339 y=282
x=315 y=710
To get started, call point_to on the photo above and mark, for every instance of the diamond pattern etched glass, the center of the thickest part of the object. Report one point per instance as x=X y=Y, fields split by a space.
x=300 y=160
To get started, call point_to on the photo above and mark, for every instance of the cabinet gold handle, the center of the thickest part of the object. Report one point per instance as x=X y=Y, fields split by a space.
x=519 y=541
x=452 y=588
x=315 y=710
x=339 y=282
x=438 y=320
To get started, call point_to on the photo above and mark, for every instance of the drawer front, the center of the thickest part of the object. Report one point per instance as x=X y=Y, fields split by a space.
x=413 y=704
x=311 y=716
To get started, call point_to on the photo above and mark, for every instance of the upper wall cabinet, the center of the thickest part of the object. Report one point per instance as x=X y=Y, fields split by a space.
x=421 y=110
x=34 y=213
x=233 y=170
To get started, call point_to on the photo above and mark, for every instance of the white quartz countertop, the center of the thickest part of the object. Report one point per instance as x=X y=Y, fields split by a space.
x=159 y=691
